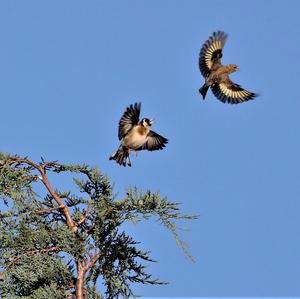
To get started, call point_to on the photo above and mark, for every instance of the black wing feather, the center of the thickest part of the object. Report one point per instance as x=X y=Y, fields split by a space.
x=129 y=119
x=231 y=93
x=154 y=142
x=211 y=52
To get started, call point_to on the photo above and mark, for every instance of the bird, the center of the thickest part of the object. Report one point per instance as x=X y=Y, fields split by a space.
x=217 y=75
x=135 y=135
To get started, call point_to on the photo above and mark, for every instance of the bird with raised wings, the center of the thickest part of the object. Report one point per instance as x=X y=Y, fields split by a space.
x=135 y=135
x=217 y=75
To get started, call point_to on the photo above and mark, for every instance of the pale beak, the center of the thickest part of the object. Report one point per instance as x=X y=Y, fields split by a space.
x=237 y=69
x=151 y=121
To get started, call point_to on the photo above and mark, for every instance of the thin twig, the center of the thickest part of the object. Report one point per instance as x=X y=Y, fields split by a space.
x=84 y=218
x=30 y=253
x=48 y=210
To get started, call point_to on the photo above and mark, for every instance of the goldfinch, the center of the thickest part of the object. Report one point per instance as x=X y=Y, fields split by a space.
x=135 y=135
x=217 y=75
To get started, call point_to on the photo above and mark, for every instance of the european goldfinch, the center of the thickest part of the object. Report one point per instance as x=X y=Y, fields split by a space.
x=136 y=135
x=217 y=75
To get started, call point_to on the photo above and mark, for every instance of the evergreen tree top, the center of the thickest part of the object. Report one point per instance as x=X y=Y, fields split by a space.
x=56 y=243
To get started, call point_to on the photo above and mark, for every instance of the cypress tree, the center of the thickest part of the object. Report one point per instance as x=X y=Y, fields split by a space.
x=58 y=243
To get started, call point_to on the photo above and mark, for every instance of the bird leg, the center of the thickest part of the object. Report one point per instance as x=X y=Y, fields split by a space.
x=129 y=162
x=133 y=151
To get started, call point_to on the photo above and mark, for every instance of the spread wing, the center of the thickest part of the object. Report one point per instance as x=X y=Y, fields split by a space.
x=129 y=119
x=154 y=142
x=231 y=93
x=211 y=52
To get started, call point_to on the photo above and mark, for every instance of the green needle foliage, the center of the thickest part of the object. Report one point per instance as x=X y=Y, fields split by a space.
x=70 y=243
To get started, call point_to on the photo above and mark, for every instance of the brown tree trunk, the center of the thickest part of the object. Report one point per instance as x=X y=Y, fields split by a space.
x=80 y=292
x=82 y=268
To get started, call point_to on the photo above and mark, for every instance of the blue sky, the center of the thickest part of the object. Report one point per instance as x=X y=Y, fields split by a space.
x=68 y=70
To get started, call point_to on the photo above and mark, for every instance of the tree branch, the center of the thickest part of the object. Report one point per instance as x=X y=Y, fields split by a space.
x=92 y=261
x=48 y=186
x=81 y=271
x=84 y=218
x=66 y=210
x=32 y=252
x=36 y=212
x=47 y=210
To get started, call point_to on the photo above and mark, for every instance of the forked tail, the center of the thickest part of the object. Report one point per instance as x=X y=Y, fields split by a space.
x=121 y=156
x=203 y=90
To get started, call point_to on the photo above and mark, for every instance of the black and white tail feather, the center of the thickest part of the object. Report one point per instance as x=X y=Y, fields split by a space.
x=121 y=156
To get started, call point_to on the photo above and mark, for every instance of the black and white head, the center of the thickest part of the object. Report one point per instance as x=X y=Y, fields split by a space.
x=146 y=122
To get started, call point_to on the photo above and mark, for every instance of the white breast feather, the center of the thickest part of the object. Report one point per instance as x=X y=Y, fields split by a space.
x=134 y=140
